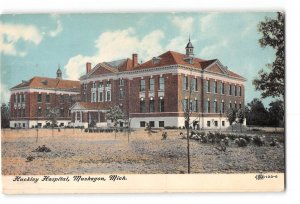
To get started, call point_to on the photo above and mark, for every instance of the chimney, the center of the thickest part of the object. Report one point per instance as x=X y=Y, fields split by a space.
x=88 y=67
x=134 y=60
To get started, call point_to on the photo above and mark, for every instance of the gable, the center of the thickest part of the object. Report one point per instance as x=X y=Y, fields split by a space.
x=101 y=70
x=215 y=68
x=76 y=106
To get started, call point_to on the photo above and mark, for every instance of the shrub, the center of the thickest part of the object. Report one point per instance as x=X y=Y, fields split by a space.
x=241 y=142
x=259 y=140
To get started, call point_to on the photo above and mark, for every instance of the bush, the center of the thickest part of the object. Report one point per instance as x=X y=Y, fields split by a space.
x=241 y=142
x=259 y=140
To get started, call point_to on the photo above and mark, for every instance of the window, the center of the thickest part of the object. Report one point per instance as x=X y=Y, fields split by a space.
x=230 y=105
x=108 y=95
x=108 y=84
x=39 y=99
x=208 y=123
x=234 y=90
x=222 y=107
x=216 y=123
x=185 y=105
x=161 y=105
x=161 y=83
x=62 y=98
x=121 y=82
x=22 y=97
x=78 y=117
x=195 y=105
x=215 y=106
x=223 y=123
x=100 y=85
x=235 y=106
x=161 y=123
x=222 y=88
x=151 y=106
x=48 y=98
x=84 y=86
x=100 y=98
x=142 y=124
x=195 y=84
x=240 y=91
x=185 y=83
x=61 y=112
x=229 y=90
x=93 y=97
x=142 y=107
x=121 y=94
x=94 y=85
x=208 y=106
x=142 y=85
x=216 y=86
x=151 y=83
x=23 y=125
x=39 y=111
x=151 y=123
x=15 y=98
x=207 y=86
x=240 y=106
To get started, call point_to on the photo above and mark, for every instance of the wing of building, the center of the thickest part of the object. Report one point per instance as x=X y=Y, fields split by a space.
x=31 y=101
x=158 y=91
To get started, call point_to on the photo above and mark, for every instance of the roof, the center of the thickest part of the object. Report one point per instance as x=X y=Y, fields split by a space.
x=49 y=83
x=110 y=67
x=170 y=58
x=166 y=59
x=189 y=45
x=91 y=106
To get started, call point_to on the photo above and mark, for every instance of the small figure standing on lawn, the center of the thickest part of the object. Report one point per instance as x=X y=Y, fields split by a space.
x=164 y=136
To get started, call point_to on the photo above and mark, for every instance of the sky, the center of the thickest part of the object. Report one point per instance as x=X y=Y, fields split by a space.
x=37 y=44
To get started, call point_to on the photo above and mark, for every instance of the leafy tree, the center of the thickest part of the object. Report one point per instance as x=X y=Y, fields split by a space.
x=52 y=115
x=231 y=116
x=115 y=114
x=271 y=83
x=5 y=115
x=257 y=115
x=276 y=113
x=240 y=116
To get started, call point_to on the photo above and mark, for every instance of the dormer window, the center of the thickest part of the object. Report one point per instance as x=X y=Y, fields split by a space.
x=156 y=60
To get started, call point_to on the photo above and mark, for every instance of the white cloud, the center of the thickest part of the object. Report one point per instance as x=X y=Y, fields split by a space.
x=11 y=34
x=212 y=51
x=207 y=21
x=5 y=93
x=113 y=45
x=59 y=29
x=178 y=43
x=185 y=25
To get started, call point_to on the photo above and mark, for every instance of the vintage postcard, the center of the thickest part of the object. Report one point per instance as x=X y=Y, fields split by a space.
x=143 y=102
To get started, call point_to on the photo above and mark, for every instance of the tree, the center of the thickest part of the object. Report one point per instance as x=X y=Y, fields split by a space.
x=240 y=116
x=5 y=115
x=231 y=116
x=257 y=115
x=52 y=115
x=115 y=114
x=188 y=111
x=272 y=83
x=276 y=113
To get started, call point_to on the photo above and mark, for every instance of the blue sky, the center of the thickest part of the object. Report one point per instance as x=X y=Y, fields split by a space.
x=35 y=44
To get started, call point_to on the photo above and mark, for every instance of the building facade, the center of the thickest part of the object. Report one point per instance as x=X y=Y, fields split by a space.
x=31 y=101
x=158 y=91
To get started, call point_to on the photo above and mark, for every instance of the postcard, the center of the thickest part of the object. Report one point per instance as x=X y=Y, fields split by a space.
x=143 y=102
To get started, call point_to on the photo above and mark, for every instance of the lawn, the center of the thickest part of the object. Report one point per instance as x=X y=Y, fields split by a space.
x=78 y=152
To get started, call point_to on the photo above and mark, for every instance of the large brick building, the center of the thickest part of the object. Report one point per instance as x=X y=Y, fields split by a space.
x=31 y=100
x=157 y=90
